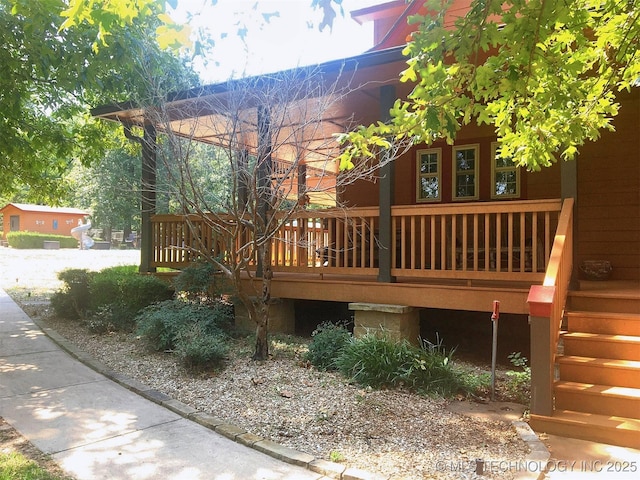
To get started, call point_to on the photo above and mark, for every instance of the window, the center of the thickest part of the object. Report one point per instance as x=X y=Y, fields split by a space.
x=505 y=175
x=428 y=165
x=465 y=172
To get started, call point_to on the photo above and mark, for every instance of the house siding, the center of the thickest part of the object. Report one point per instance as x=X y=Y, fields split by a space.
x=608 y=204
x=608 y=201
x=48 y=222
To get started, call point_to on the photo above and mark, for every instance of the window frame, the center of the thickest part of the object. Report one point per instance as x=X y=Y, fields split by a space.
x=495 y=169
x=476 y=172
x=437 y=175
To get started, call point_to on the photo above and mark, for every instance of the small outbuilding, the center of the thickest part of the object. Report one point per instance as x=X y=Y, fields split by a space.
x=22 y=217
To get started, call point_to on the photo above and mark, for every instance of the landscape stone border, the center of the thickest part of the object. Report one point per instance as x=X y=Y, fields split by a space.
x=539 y=454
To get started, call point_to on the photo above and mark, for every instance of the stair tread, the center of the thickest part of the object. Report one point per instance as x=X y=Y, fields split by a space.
x=604 y=337
x=591 y=314
x=594 y=389
x=602 y=362
x=593 y=419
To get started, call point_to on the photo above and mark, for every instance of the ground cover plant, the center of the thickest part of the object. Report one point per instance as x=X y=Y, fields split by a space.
x=328 y=341
x=518 y=384
x=15 y=466
x=380 y=361
x=196 y=332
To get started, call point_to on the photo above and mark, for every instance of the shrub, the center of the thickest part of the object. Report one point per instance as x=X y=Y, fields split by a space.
x=375 y=361
x=433 y=371
x=25 y=240
x=328 y=341
x=197 y=347
x=379 y=361
x=111 y=318
x=125 y=287
x=114 y=295
x=159 y=325
x=73 y=299
x=196 y=279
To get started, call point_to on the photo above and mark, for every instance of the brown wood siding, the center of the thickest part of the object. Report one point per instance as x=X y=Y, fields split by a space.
x=608 y=223
x=608 y=203
x=543 y=184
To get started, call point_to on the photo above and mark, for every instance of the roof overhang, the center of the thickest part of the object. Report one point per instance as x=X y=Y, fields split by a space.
x=213 y=114
x=357 y=69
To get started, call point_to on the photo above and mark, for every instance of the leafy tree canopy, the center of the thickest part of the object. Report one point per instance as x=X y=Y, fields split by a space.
x=545 y=74
x=109 y=15
x=50 y=79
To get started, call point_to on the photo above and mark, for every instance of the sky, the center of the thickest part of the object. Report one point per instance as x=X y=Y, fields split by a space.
x=289 y=38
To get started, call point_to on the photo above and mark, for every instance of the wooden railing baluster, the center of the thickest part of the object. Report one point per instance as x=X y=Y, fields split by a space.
x=494 y=240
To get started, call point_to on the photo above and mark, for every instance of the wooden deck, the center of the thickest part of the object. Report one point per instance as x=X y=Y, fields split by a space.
x=444 y=294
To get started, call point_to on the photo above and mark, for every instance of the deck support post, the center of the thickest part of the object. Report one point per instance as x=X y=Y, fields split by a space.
x=149 y=168
x=543 y=338
x=399 y=322
x=387 y=183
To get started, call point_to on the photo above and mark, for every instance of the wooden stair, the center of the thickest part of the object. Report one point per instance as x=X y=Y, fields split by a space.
x=597 y=394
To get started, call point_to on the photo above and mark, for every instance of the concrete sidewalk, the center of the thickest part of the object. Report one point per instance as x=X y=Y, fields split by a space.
x=96 y=428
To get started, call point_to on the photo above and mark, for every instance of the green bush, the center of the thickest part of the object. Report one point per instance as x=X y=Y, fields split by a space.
x=198 y=348
x=159 y=325
x=376 y=361
x=112 y=296
x=327 y=344
x=195 y=332
x=73 y=299
x=125 y=287
x=111 y=318
x=433 y=371
x=25 y=240
x=196 y=279
x=382 y=362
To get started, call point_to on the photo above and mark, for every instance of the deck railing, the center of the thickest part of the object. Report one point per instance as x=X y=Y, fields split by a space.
x=492 y=241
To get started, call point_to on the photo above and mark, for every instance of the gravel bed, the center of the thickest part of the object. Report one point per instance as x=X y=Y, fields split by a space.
x=395 y=433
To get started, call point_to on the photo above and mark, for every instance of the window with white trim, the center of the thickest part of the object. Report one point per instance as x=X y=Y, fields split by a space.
x=466 y=159
x=505 y=175
x=429 y=175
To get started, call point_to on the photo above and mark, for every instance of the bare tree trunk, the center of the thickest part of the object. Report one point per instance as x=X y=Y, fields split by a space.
x=262 y=333
x=262 y=309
